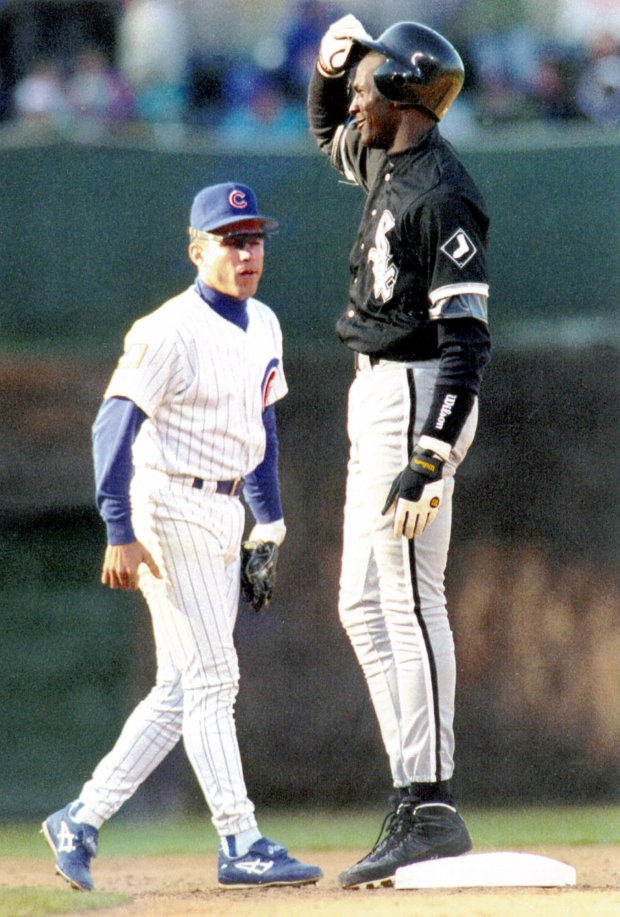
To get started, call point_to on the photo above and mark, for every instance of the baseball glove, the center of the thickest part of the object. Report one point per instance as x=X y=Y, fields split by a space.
x=258 y=572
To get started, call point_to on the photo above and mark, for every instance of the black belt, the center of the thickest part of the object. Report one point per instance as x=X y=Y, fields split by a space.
x=230 y=488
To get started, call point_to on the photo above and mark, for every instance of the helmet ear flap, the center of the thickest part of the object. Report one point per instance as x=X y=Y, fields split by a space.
x=393 y=85
x=400 y=80
x=422 y=69
x=395 y=81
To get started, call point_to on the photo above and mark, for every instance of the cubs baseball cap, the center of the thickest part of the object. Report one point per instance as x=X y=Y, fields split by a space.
x=224 y=205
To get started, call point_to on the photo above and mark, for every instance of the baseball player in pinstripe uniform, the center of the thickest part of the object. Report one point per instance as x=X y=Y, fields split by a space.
x=187 y=422
x=417 y=322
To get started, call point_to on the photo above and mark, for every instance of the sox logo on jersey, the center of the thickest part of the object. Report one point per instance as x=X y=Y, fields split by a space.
x=380 y=257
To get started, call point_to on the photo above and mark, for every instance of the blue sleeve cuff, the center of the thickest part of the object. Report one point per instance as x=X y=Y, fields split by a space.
x=119 y=531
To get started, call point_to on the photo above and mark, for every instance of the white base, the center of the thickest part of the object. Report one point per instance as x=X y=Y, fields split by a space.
x=486 y=870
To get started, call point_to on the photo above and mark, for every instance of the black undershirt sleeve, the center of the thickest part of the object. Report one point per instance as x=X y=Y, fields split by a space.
x=464 y=347
x=328 y=103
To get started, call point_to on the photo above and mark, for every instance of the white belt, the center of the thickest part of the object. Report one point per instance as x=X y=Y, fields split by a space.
x=364 y=362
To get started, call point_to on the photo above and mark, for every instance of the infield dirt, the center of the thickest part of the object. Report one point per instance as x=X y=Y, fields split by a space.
x=181 y=886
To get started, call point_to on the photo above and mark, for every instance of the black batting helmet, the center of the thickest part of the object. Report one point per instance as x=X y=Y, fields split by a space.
x=422 y=68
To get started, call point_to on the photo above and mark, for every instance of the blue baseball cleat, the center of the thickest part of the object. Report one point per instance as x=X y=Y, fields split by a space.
x=74 y=844
x=266 y=863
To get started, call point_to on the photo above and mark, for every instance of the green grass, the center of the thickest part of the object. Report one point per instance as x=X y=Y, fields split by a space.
x=527 y=828
x=533 y=826
x=317 y=830
x=33 y=902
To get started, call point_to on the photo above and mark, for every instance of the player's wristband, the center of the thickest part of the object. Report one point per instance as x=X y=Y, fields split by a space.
x=269 y=531
x=436 y=446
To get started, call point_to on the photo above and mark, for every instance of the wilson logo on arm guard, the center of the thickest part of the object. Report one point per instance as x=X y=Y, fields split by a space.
x=446 y=409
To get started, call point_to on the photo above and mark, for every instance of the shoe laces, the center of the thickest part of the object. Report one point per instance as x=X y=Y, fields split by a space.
x=396 y=823
x=87 y=843
x=90 y=841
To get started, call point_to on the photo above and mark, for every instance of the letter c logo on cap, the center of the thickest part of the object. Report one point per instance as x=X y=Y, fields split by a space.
x=237 y=199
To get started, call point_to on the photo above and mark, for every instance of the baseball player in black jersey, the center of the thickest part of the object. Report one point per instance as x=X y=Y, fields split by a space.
x=417 y=323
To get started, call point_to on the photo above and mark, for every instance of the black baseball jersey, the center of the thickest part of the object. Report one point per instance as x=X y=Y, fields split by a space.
x=420 y=254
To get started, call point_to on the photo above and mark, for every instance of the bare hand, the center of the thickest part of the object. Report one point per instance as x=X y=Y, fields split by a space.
x=121 y=563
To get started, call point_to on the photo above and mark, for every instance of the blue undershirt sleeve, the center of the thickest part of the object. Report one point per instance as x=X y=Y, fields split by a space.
x=114 y=431
x=262 y=486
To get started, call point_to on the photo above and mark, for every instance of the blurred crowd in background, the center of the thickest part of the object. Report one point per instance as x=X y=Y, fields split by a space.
x=237 y=71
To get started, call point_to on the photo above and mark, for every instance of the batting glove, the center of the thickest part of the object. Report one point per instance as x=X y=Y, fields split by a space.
x=417 y=491
x=336 y=45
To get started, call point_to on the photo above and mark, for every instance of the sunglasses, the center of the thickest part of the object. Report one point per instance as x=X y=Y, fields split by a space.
x=237 y=240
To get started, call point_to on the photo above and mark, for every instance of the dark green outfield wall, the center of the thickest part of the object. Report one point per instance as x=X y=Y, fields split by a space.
x=90 y=239
x=93 y=237
x=533 y=584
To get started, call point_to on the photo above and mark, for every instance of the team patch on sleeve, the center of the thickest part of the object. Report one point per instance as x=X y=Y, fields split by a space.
x=270 y=377
x=459 y=248
x=133 y=356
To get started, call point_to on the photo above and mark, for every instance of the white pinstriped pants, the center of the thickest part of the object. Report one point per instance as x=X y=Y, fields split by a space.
x=194 y=536
x=392 y=601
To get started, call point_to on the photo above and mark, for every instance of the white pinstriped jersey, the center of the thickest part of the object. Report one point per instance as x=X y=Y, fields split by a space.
x=203 y=383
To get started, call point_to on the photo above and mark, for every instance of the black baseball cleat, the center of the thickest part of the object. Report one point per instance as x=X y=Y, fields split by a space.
x=416 y=831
